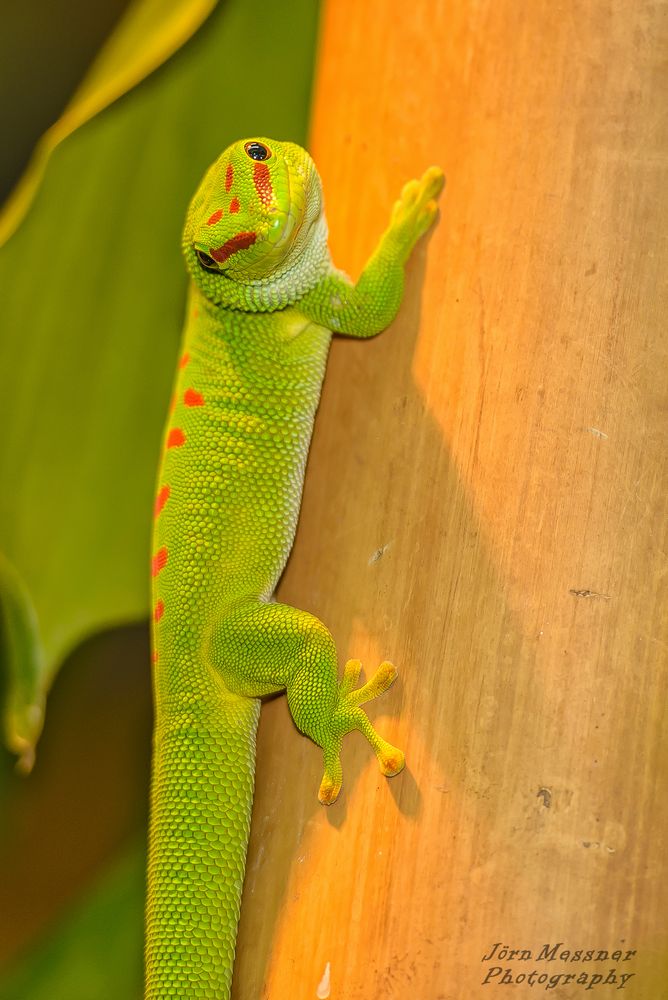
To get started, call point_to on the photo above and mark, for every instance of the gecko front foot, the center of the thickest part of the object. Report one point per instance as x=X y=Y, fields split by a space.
x=415 y=209
x=348 y=716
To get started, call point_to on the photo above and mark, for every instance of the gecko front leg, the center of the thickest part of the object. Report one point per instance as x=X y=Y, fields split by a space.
x=369 y=306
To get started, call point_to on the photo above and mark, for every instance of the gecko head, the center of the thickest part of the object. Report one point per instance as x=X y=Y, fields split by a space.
x=252 y=215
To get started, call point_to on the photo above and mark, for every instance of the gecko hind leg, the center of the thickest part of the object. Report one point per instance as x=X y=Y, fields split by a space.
x=347 y=716
x=259 y=648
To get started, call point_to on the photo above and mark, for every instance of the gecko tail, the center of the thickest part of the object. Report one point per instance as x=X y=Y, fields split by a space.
x=202 y=794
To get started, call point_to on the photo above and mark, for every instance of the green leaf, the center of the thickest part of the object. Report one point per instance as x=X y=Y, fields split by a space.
x=92 y=289
x=24 y=709
x=95 y=951
x=149 y=33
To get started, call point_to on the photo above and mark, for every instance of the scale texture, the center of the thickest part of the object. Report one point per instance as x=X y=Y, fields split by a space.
x=263 y=303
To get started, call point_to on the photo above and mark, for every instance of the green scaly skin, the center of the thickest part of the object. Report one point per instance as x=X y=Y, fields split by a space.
x=264 y=300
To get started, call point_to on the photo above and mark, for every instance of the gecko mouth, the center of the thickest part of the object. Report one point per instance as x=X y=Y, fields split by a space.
x=208 y=263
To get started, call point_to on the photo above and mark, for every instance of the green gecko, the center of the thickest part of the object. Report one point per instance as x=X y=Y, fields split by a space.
x=264 y=300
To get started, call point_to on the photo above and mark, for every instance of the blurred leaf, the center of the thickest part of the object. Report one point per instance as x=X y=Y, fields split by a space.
x=24 y=709
x=92 y=288
x=150 y=31
x=95 y=952
x=88 y=796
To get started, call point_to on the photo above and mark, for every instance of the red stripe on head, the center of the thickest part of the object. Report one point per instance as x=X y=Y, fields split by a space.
x=159 y=610
x=159 y=561
x=184 y=359
x=239 y=242
x=234 y=206
x=175 y=438
x=161 y=499
x=229 y=176
x=216 y=217
x=193 y=398
x=262 y=181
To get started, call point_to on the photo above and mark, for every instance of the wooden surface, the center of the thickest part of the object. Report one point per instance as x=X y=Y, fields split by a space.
x=484 y=506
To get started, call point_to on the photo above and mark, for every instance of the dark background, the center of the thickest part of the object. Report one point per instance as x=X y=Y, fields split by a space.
x=62 y=37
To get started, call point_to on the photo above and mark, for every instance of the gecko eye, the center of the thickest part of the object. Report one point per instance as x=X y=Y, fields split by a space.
x=257 y=151
x=208 y=263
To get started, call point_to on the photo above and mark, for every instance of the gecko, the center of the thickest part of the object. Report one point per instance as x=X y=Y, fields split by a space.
x=264 y=300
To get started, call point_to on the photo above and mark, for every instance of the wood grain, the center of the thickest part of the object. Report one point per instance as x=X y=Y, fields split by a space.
x=485 y=506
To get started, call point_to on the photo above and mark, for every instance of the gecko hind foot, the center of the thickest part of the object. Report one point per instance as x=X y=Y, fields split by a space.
x=348 y=716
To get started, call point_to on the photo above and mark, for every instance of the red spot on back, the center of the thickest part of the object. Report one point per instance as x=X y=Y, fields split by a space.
x=159 y=561
x=229 y=176
x=161 y=499
x=175 y=438
x=193 y=398
x=216 y=217
x=262 y=181
x=234 y=206
x=239 y=242
x=159 y=610
x=183 y=361
x=154 y=656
